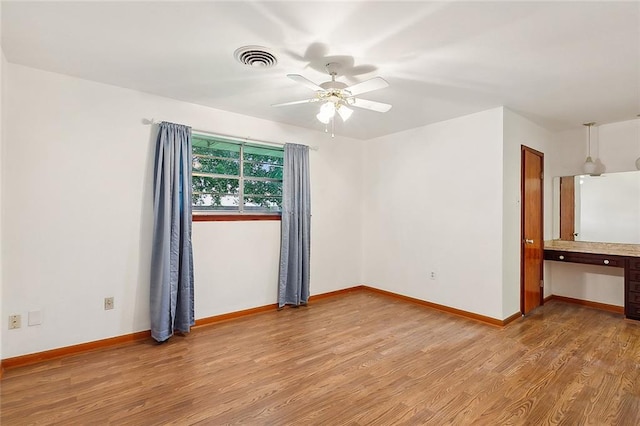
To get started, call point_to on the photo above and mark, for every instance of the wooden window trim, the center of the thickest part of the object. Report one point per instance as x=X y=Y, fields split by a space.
x=233 y=217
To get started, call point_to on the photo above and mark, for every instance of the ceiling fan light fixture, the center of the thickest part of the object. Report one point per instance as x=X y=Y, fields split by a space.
x=327 y=111
x=335 y=96
x=328 y=108
x=344 y=112
x=324 y=118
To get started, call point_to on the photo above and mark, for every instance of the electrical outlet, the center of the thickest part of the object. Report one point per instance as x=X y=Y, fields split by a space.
x=108 y=303
x=15 y=321
x=432 y=275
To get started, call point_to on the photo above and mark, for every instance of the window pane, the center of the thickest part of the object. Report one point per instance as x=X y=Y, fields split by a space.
x=263 y=204
x=210 y=202
x=262 y=195
x=215 y=187
x=257 y=187
x=264 y=155
x=218 y=166
x=215 y=148
x=215 y=192
x=262 y=170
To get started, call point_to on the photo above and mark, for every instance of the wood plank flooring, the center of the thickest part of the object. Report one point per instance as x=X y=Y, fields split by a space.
x=355 y=359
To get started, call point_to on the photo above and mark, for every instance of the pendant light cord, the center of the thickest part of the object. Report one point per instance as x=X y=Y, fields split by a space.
x=589 y=126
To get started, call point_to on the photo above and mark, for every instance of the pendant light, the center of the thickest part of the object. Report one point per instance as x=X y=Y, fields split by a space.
x=589 y=166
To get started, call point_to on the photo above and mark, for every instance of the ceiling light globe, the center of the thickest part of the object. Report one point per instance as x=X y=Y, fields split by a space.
x=328 y=108
x=344 y=112
x=589 y=166
x=323 y=118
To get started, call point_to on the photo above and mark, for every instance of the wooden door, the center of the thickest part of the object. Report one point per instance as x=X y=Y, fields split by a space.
x=532 y=244
x=567 y=208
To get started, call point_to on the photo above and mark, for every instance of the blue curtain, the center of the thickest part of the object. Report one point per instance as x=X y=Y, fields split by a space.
x=171 y=299
x=293 y=286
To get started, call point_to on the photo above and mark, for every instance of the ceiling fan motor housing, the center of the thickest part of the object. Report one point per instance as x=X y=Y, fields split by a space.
x=333 y=85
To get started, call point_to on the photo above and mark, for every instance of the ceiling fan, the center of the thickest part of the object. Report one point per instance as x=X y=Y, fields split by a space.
x=337 y=97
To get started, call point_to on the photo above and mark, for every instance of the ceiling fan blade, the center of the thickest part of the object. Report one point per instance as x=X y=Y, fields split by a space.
x=368 y=86
x=372 y=105
x=305 y=81
x=305 y=101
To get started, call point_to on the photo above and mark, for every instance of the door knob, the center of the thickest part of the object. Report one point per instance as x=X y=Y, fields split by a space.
x=527 y=241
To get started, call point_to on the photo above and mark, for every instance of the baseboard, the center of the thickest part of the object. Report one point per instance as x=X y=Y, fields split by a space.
x=233 y=315
x=29 y=359
x=24 y=360
x=336 y=293
x=512 y=318
x=448 y=309
x=588 y=303
x=246 y=312
x=37 y=357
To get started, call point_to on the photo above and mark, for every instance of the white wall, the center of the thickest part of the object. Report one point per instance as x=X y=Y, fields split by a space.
x=615 y=146
x=2 y=67
x=433 y=202
x=519 y=131
x=77 y=213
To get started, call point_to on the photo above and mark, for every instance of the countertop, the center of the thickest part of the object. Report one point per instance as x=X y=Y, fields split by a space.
x=614 y=249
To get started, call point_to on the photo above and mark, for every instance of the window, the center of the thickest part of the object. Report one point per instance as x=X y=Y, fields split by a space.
x=235 y=177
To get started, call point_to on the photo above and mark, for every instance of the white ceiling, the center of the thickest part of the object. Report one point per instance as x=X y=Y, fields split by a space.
x=557 y=63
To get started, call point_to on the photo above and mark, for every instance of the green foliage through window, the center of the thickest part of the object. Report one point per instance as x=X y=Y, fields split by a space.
x=230 y=176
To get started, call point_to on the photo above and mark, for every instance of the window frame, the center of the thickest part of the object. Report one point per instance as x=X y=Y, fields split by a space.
x=241 y=214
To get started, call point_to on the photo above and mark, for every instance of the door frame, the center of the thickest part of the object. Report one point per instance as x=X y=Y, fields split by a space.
x=567 y=208
x=540 y=154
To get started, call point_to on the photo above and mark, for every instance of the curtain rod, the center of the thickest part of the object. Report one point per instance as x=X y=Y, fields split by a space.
x=220 y=135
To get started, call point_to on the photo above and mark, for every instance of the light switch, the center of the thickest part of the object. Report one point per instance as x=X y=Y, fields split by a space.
x=35 y=318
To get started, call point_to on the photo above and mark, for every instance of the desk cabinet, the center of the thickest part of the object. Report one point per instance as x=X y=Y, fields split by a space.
x=631 y=267
x=632 y=289
x=588 y=258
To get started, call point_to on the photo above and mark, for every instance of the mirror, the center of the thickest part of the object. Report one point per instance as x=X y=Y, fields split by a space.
x=603 y=208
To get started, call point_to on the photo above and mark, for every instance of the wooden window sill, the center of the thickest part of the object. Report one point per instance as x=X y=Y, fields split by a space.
x=233 y=217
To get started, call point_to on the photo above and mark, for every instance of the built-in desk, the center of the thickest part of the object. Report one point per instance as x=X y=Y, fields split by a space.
x=626 y=256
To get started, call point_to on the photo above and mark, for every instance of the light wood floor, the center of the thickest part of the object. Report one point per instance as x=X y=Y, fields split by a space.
x=355 y=359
